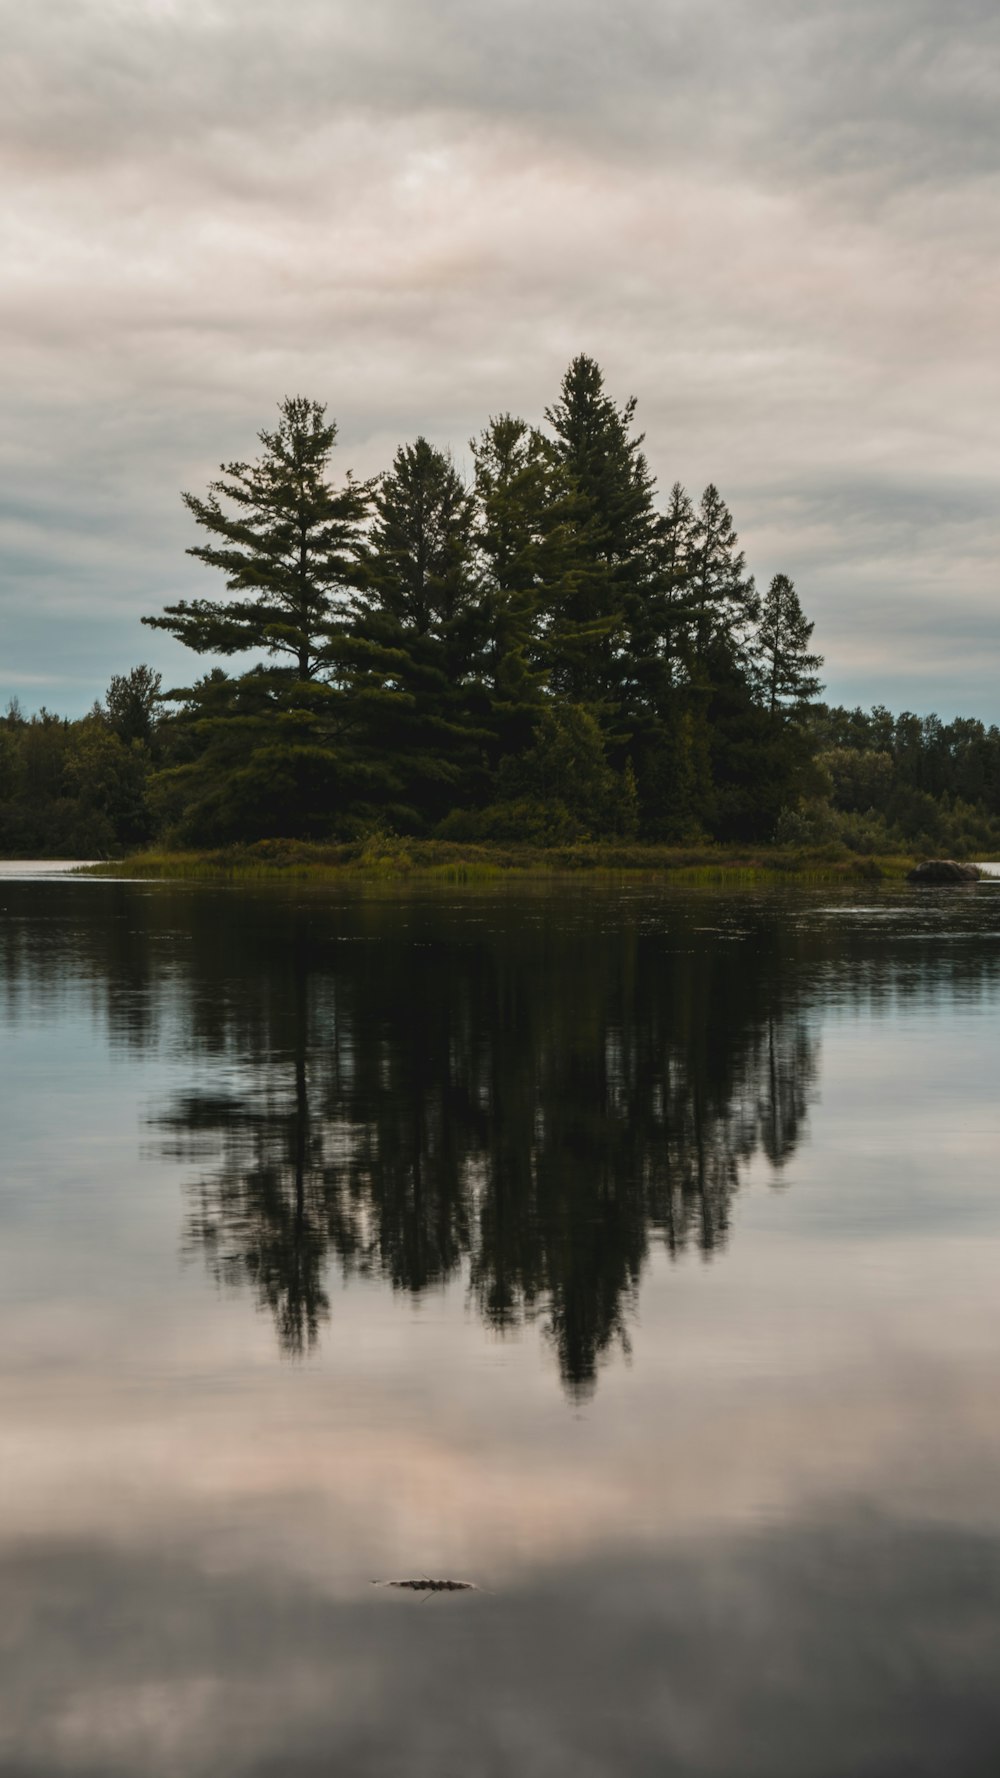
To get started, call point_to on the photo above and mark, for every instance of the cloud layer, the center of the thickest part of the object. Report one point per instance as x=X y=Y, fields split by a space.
x=775 y=225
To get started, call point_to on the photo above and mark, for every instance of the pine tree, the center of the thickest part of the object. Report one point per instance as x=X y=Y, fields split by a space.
x=264 y=755
x=287 y=550
x=663 y=695
x=130 y=702
x=562 y=784
x=787 y=671
x=613 y=536
x=416 y=563
x=657 y=637
x=725 y=599
x=518 y=536
x=677 y=535
x=410 y=666
x=524 y=536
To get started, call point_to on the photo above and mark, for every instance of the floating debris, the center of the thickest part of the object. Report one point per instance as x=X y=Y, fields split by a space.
x=426 y=1585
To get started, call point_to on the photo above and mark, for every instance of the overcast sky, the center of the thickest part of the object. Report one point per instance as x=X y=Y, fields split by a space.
x=776 y=222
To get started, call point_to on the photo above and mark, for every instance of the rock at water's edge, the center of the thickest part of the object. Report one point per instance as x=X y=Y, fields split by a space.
x=944 y=870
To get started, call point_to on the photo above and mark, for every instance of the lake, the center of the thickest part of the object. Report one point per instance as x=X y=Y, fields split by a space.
x=632 y=1252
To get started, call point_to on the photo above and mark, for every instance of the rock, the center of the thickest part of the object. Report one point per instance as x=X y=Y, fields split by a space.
x=944 y=870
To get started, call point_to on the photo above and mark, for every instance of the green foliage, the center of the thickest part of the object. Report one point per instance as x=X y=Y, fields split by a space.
x=543 y=656
x=415 y=565
x=523 y=535
x=286 y=547
x=758 y=764
x=613 y=528
x=857 y=780
x=564 y=775
x=256 y=757
x=725 y=598
x=903 y=781
x=71 y=789
x=131 y=702
x=787 y=670
x=408 y=673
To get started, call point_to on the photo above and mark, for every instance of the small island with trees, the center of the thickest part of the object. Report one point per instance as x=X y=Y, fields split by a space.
x=550 y=663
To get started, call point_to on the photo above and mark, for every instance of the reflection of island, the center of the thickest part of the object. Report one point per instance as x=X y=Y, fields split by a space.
x=539 y=1110
x=530 y=1089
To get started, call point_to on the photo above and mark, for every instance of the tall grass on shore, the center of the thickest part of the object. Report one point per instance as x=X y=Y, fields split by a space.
x=391 y=857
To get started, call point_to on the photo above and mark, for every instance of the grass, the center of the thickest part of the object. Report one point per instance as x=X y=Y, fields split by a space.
x=390 y=857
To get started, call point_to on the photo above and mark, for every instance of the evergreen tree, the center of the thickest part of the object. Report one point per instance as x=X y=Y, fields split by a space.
x=266 y=755
x=518 y=539
x=416 y=568
x=410 y=663
x=287 y=548
x=725 y=599
x=787 y=670
x=758 y=767
x=130 y=701
x=604 y=593
x=659 y=613
x=562 y=785
x=677 y=538
x=524 y=536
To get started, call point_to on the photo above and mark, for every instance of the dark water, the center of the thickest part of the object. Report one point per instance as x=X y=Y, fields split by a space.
x=633 y=1254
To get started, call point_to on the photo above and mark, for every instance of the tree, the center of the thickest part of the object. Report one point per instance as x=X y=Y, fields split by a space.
x=130 y=702
x=520 y=526
x=264 y=756
x=410 y=666
x=787 y=670
x=725 y=598
x=416 y=564
x=605 y=591
x=524 y=538
x=562 y=784
x=287 y=550
x=594 y=439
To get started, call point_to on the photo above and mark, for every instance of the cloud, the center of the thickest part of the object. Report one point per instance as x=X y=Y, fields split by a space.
x=845 y=1644
x=775 y=225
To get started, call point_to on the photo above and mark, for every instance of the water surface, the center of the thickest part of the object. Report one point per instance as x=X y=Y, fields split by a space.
x=632 y=1252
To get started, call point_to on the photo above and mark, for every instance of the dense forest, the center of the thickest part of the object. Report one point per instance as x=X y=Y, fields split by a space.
x=549 y=654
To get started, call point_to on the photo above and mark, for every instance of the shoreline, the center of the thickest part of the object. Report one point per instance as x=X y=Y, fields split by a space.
x=393 y=858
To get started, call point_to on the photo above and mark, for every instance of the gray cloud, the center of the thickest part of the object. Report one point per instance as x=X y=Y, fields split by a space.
x=776 y=225
x=851 y=1645
x=903 y=88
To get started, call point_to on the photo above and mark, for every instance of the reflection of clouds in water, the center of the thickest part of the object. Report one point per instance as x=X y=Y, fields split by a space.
x=849 y=1645
x=679 y=1584
x=803 y=1374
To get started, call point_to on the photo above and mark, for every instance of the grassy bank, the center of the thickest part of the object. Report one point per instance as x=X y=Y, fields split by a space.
x=392 y=857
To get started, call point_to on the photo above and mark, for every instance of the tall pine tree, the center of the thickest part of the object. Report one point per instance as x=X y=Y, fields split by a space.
x=410 y=665
x=725 y=598
x=614 y=526
x=286 y=539
x=787 y=671
x=525 y=516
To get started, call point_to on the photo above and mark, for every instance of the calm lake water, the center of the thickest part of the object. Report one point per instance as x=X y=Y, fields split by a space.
x=632 y=1252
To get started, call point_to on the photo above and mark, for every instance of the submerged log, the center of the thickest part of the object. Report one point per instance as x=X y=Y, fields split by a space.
x=944 y=870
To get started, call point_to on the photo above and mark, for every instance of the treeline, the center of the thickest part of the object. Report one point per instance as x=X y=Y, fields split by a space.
x=81 y=789
x=900 y=782
x=547 y=654
x=880 y=783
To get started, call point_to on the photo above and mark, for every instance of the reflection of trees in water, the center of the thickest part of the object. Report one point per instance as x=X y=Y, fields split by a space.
x=537 y=1087
x=540 y=1107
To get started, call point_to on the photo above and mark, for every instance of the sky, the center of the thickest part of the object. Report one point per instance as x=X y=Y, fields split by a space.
x=775 y=223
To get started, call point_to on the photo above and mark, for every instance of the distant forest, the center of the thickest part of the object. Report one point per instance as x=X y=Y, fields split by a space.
x=549 y=654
